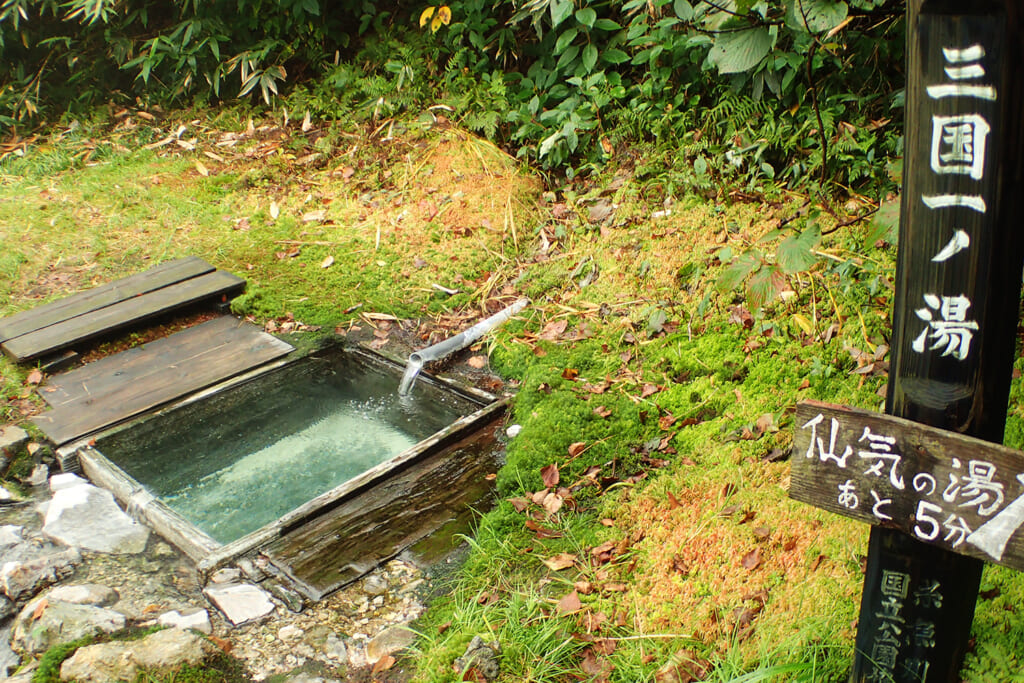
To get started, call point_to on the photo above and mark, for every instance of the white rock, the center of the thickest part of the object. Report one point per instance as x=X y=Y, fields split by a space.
x=38 y=476
x=10 y=534
x=388 y=641
x=65 y=481
x=61 y=622
x=197 y=621
x=121 y=660
x=513 y=431
x=87 y=517
x=335 y=649
x=289 y=633
x=240 y=602
x=5 y=496
x=26 y=578
x=84 y=594
x=12 y=437
x=226 y=575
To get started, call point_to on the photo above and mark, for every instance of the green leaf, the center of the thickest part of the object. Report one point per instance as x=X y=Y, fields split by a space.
x=738 y=270
x=607 y=25
x=765 y=285
x=794 y=253
x=589 y=58
x=683 y=9
x=885 y=224
x=567 y=57
x=565 y=39
x=560 y=11
x=815 y=16
x=614 y=56
x=741 y=50
x=586 y=16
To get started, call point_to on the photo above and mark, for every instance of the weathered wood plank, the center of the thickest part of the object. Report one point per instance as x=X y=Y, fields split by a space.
x=106 y=374
x=162 y=275
x=121 y=315
x=214 y=353
x=943 y=488
x=376 y=524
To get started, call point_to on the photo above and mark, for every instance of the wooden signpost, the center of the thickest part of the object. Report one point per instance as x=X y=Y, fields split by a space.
x=942 y=498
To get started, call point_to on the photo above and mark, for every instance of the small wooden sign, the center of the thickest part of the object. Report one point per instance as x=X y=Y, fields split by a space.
x=942 y=488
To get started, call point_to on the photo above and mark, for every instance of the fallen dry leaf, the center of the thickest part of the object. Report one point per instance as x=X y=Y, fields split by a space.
x=314 y=216
x=569 y=604
x=649 y=390
x=477 y=362
x=542 y=532
x=327 y=262
x=552 y=503
x=601 y=411
x=577 y=448
x=549 y=475
x=597 y=669
x=570 y=374
x=553 y=330
x=560 y=561
x=520 y=504
x=35 y=376
x=202 y=170
x=383 y=664
x=752 y=560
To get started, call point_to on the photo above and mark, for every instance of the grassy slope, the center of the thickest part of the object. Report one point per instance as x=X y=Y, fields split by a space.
x=670 y=542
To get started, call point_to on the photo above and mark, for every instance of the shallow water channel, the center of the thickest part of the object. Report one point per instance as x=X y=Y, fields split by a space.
x=243 y=458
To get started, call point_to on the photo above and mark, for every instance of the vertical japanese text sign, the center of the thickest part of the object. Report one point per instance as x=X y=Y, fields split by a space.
x=957 y=306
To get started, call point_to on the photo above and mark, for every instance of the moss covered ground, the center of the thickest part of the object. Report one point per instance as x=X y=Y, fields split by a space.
x=643 y=529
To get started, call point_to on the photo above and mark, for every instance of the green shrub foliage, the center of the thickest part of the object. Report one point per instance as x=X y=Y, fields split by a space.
x=790 y=90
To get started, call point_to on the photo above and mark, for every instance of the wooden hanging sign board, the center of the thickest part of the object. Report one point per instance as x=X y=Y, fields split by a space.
x=945 y=489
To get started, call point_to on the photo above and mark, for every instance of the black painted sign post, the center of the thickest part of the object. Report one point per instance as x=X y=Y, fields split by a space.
x=941 y=504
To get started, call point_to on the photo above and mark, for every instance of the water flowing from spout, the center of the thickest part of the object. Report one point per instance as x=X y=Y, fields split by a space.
x=412 y=371
x=453 y=344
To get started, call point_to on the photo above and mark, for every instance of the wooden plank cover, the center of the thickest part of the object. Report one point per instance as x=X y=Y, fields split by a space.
x=339 y=546
x=162 y=275
x=121 y=315
x=130 y=383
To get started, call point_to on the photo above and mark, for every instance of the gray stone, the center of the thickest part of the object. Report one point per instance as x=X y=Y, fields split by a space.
x=8 y=660
x=20 y=578
x=6 y=608
x=289 y=633
x=10 y=534
x=87 y=517
x=481 y=656
x=390 y=640
x=197 y=621
x=43 y=624
x=121 y=660
x=65 y=481
x=309 y=678
x=240 y=602
x=226 y=575
x=84 y=594
x=335 y=648
x=291 y=599
x=375 y=584
x=12 y=438
x=40 y=473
